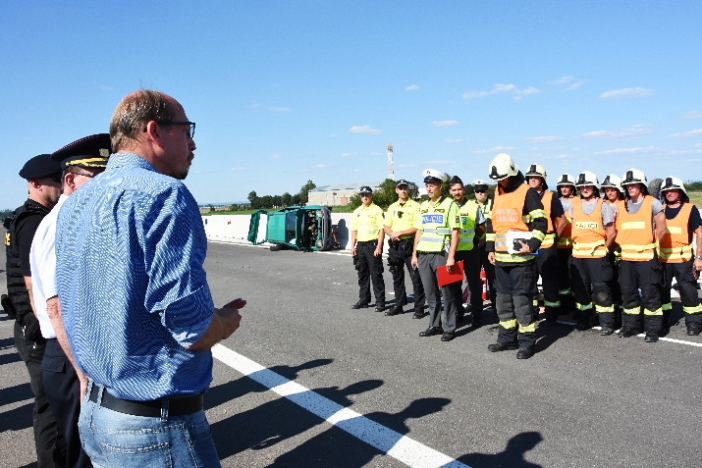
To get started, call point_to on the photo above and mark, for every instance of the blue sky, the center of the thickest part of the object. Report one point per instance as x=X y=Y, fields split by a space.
x=286 y=91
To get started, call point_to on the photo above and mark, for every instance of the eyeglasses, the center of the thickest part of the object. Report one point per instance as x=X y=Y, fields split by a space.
x=191 y=132
x=479 y=191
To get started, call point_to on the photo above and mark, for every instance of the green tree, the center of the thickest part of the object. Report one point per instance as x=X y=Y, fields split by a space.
x=286 y=199
x=305 y=190
x=254 y=200
x=383 y=196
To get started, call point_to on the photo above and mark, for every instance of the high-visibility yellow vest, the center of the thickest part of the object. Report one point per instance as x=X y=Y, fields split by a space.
x=436 y=224
x=367 y=222
x=675 y=246
x=467 y=216
x=635 y=231
x=401 y=217
x=588 y=232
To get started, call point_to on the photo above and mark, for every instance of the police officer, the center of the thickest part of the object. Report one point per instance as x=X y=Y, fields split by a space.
x=400 y=228
x=682 y=221
x=472 y=227
x=435 y=244
x=590 y=270
x=367 y=236
x=44 y=184
x=515 y=231
x=485 y=202
x=564 y=244
x=640 y=268
x=81 y=161
x=547 y=260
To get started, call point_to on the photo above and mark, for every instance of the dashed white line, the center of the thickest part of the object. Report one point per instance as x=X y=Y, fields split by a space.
x=402 y=448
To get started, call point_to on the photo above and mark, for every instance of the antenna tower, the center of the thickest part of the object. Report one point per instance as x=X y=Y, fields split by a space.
x=391 y=169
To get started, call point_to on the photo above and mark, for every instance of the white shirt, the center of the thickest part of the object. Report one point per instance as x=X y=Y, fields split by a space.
x=42 y=260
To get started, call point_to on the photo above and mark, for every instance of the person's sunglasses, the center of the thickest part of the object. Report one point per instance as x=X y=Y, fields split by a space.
x=191 y=132
x=479 y=191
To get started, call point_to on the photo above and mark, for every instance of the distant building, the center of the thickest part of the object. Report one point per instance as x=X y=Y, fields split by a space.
x=337 y=195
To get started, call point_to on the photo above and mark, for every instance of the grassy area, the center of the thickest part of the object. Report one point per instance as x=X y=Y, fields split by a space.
x=695 y=198
x=335 y=209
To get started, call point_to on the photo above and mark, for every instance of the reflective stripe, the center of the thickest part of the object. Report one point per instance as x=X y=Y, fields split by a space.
x=580 y=306
x=439 y=231
x=531 y=328
x=538 y=235
x=589 y=249
x=632 y=311
x=537 y=213
x=512 y=258
x=433 y=240
x=490 y=237
x=667 y=306
x=603 y=310
x=509 y=324
x=635 y=231
x=535 y=302
x=676 y=254
x=549 y=240
x=693 y=310
x=564 y=292
x=564 y=242
x=658 y=311
x=552 y=303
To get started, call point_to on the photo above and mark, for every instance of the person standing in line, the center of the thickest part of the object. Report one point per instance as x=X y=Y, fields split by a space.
x=612 y=186
x=485 y=202
x=547 y=260
x=640 y=223
x=472 y=227
x=367 y=237
x=679 y=260
x=564 y=244
x=590 y=269
x=143 y=333
x=44 y=185
x=514 y=234
x=63 y=383
x=400 y=228
x=435 y=244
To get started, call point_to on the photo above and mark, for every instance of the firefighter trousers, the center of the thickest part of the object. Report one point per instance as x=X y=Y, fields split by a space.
x=515 y=291
x=590 y=280
x=647 y=276
x=687 y=286
x=547 y=267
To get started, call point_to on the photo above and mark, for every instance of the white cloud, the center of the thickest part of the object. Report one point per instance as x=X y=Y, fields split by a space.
x=576 y=85
x=346 y=155
x=691 y=134
x=237 y=169
x=413 y=87
x=494 y=149
x=321 y=166
x=275 y=156
x=617 y=151
x=444 y=123
x=568 y=82
x=503 y=88
x=365 y=129
x=279 y=109
x=452 y=140
x=691 y=115
x=635 y=130
x=626 y=92
x=543 y=139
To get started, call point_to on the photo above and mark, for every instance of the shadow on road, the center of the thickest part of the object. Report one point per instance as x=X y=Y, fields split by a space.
x=511 y=457
x=17 y=419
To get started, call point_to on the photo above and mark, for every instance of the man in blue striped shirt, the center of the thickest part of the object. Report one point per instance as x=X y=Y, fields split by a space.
x=137 y=309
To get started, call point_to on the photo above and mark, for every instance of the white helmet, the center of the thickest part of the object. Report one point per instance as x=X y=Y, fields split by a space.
x=502 y=166
x=673 y=183
x=480 y=184
x=536 y=170
x=612 y=181
x=565 y=179
x=587 y=178
x=634 y=176
x=432 y=176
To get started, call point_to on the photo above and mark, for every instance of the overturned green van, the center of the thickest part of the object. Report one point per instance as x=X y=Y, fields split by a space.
x=306 y=228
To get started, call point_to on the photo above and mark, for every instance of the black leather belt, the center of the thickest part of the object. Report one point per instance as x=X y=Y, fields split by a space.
x=366 y=242
x=152 y=408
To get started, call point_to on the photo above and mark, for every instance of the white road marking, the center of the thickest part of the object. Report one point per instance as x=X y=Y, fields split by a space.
x=398 y=446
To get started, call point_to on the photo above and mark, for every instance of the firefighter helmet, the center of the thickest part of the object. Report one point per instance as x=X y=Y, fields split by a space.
x=565 y=179
x=587 y=178
x=634 y=176
x=673 y=183
x=536 y=170
x=612 y=181
x=503 y=166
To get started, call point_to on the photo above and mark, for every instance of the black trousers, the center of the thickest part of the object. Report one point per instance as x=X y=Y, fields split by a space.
x=515 y=291
x=564 y=291
x=371 y=269
x=591 y=279
x=548 y=267
x=490 y=273
x=471 y=270
x=649 y=277
x=63 y=392
x=399 y=257
x=50 y=446
x=687 y=285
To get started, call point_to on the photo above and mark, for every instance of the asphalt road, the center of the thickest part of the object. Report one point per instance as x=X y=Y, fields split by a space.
x=583 y=400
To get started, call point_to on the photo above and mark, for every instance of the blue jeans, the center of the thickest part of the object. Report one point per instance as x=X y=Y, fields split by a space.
x=117 y=440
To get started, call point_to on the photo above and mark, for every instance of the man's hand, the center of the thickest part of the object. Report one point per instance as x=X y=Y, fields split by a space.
x=83 y=382
x=415 y=261
x=378 y=251
x=525 y=248
x=353 y=251
x=450 y=262
x=224 y=322
x=394 y=236
x=491 y=257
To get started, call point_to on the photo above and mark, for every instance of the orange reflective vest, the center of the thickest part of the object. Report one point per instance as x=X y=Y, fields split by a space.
x=635 y=231
x=507 y=216
x=588 y=233
x=550 y=238
x=565 y=241
x=675 y=245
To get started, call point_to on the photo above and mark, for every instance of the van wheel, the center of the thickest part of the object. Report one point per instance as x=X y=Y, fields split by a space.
x=275 y=247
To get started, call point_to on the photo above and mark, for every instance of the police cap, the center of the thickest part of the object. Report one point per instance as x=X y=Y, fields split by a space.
x=366 y=190
x=91 y=152
x=402 y=182
x=39 y=167
x=432 y=176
